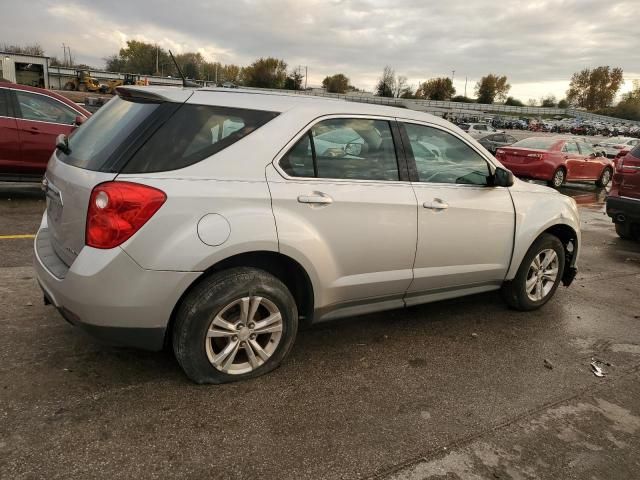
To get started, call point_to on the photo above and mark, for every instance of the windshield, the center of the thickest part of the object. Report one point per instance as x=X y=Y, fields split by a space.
x=92 y=144
x=536 y=143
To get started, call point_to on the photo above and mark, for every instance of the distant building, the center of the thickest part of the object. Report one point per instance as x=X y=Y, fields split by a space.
x=29 y=70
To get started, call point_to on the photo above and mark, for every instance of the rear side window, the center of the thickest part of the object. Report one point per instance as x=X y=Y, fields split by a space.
x=536 y=143
x=344 y=148
x=586 y=149
x=193 y=133
x=636 y=151
x=44 y=109
x=570 y=147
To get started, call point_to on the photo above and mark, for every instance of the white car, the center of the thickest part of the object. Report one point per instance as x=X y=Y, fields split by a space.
x=477 y=130
x=612 y=146
x=218 y=220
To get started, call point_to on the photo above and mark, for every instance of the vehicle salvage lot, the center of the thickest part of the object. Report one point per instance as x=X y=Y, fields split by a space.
x=400 y=394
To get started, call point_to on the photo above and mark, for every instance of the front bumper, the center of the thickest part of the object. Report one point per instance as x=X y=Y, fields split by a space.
x=109 y=295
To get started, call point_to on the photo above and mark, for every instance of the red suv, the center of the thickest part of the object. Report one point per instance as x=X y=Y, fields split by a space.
x=30 y=120
x=623 y=202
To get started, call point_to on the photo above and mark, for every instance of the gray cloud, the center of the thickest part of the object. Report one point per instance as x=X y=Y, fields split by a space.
x=538 y=44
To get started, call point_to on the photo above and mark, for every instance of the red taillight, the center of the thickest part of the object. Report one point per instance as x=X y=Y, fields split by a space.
x=628 y=167
x=117 y=210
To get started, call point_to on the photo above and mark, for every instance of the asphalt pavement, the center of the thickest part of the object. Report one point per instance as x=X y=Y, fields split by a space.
x=462 y=389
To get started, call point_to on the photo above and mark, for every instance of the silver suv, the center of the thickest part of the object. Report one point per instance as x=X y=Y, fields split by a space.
x=218 y=221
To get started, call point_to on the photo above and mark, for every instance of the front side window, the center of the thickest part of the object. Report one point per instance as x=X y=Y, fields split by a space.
x=344 y=148
x=44 y=109
x=586 y=149
x=443 y=158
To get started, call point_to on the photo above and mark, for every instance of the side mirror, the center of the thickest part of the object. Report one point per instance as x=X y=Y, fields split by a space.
x=354 y=149
x=502 y=178
x=79 y=120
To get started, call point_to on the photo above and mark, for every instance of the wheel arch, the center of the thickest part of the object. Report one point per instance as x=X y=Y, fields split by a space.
x=281 y=266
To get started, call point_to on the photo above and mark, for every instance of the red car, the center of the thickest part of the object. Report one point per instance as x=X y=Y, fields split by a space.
x=623 y=202
x=556 y=160
x=30 y=120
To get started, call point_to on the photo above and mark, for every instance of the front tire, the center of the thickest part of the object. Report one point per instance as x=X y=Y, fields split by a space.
x=624 y=230
x=559 y=177
x=539 y=275
x=604 y=179
x=236 y=324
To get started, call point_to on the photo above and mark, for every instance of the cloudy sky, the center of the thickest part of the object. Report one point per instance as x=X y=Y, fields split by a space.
x=538 y=44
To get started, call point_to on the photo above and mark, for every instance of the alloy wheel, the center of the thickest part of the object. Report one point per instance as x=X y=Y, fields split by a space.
x=243 y=335
x=558 y=178
x=542 y=275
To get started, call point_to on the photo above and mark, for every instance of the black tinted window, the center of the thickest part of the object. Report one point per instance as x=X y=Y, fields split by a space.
x=443 y=158
x=193 y=133
x=344 y=148
x=636 y=151
x=4 y=106
x=95 y=141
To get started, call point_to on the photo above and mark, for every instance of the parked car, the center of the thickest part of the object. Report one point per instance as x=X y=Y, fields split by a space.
x=494 y=141
x=623 y=202
x=612 y=146
x=477 y=130
x=30 y=120
x=221 y=241
x=556 y=160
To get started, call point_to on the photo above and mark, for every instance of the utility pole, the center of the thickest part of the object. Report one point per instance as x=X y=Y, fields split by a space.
x=465 y=87
x=453 y=74
x=216 y=74
x=306 y=72
x=64 y=55
x=157 y=58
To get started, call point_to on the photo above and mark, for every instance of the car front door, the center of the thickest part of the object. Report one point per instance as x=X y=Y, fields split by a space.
x=592 y=164
x=9 y=137
x=342 y=200
x=40 y=120
x=465 y=226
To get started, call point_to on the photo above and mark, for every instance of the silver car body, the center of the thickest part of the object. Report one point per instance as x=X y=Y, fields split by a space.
x=374 y=245
x=612 y=146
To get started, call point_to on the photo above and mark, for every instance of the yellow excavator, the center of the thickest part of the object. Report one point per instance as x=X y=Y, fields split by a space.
x=83 y=82
x=129 y=79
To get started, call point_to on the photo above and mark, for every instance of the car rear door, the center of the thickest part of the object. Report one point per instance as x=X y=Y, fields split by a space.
x=9 y=137
x=573 y=160
x=342 y=200
x=593 y=165
x=40 y=120
x=465 y=227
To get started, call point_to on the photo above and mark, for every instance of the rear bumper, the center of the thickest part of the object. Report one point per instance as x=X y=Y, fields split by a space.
x=622 y=207
x=110 y=296
x=540 y=171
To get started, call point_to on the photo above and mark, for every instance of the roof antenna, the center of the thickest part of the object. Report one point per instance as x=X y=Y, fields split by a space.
x=185 y=82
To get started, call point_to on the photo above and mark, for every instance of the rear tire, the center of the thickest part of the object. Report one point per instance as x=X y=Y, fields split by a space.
x=624 y=230
x=226 y=313
x=605 y=178
x=533 y=286
x=558 y=179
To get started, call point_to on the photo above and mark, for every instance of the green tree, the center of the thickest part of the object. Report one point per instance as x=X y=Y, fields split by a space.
x=337 y=83
x=491 y=88
x=563 y=103
x=140 y=57
x=436 y=89
x=191 y=64
x=514 y=102
x=594 y=88
x=549 y=101
x=386 y=85
x=629 y=107
x=462 y=99
x=265 y=73
x=294 y=80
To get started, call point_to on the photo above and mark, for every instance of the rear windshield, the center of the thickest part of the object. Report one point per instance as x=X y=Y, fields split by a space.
x=537 y=143
x=93 y=144
x=194 y=133
x=138 y=137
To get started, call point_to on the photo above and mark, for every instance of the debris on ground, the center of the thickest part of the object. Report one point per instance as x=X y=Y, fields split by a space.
x=597 y=371
x=474 y=335
x=548 y=364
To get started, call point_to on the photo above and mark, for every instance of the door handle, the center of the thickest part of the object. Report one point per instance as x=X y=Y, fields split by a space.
x=436 y=204
x=317 y=198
